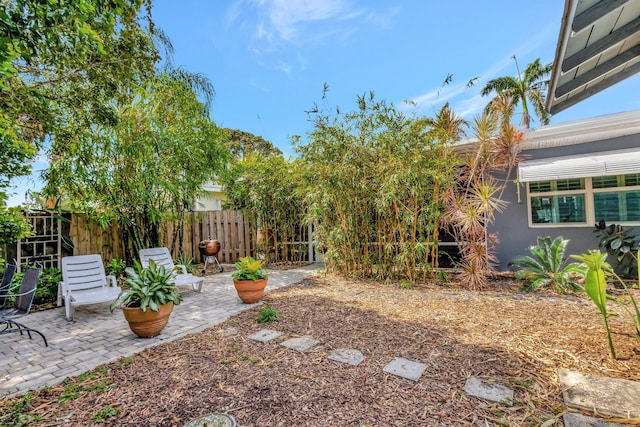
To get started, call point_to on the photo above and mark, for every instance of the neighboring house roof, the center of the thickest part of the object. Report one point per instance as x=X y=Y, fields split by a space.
x=598 y=46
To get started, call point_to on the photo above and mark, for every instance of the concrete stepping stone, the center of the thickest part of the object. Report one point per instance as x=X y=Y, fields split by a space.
x=405 y=368
x=265 y=335
x=489 y=391
x=604 y=396
x=300 y=344
x=579 y=420
x=347 y=355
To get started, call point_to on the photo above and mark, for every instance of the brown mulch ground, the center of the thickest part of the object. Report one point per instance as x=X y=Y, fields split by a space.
x=502 y=335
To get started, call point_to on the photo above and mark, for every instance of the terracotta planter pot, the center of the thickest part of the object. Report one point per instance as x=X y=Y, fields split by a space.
x=147 y=324
x=250 y=291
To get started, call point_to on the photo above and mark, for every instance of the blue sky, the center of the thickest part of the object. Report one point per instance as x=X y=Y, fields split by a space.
x=269 y=59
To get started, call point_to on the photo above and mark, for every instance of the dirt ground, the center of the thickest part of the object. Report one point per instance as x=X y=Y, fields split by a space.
x=501 y=335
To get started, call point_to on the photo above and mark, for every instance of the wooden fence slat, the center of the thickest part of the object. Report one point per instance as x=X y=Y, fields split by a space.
x=230 y=228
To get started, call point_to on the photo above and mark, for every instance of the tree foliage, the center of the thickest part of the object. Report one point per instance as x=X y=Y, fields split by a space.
x=267 y=189
x=241 y=144
x=61 y=62
x=148 y=167
x=370 y=177
x=529 y=86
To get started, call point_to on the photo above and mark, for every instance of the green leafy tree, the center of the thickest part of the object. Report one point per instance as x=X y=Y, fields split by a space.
x=529 y=86
x=60 y=62
x=241 y=143
x=547 y=266
x=147 y=168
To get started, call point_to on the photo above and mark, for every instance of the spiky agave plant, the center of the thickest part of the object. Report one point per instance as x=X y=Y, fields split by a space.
x=547 y=266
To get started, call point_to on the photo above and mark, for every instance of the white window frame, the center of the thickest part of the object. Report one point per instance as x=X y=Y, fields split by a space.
x=589 y=206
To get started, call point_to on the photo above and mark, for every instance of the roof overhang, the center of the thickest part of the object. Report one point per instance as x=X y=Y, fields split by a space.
x=581 y=131
x=598 y=46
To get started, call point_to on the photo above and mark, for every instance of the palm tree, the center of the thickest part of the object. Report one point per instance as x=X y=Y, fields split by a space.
x=530 y=86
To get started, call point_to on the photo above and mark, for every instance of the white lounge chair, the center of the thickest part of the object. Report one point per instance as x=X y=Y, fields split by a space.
x=161 y=256
x=84 y=282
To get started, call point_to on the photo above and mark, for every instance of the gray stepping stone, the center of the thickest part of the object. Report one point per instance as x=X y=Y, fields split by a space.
x=488 y=391
x=347 y=355
x=300 y=344
x=265 y=335
x=579 y=420
x=604 y=396
x=405 y=368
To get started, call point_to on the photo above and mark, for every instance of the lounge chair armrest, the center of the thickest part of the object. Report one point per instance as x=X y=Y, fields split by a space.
x=182 y=267
x=111 y=278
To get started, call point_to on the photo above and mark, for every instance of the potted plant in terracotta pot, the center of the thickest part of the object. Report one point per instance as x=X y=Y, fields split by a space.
x=249 y=279
x=149 y=299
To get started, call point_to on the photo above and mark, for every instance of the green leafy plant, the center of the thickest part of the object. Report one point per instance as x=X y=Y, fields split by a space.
x=47 y=290
x=596 y=288
x=105 y=412
x=148 y=288
x=267 y=314
x=547 y=266
x=14 y=413
x=405 y=284
x=115 y=267
x=187 y=262
x=620 y=243
x=248 y=268
x=13 y=225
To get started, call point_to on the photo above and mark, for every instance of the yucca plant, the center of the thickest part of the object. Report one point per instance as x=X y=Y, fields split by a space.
x=547 y=266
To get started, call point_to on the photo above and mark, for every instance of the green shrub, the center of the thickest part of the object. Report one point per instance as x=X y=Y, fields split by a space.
x=621 y=244
x=187 y=262
x=48 y=286
x=115 y=267
x=546 y=266
x=267 y=314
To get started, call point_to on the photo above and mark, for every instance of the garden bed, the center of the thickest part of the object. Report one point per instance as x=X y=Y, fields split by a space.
x=501 y=335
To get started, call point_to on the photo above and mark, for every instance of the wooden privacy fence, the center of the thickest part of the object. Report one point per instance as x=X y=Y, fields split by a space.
x=235 y=233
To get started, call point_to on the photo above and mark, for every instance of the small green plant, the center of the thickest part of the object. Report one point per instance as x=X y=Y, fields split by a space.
x=47 y=290
x=405 y=284
x=14 y=413
x=105 y=413
x=187 y=262
x=126 y=361
x=149 y=287
x=621 y=244
x=267 y=314
x=116 y=267
x=249 y=269
x=546 y=266
x=71 y=392
x=595 y=285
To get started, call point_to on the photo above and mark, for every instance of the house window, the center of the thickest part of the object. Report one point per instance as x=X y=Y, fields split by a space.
x=585 y=201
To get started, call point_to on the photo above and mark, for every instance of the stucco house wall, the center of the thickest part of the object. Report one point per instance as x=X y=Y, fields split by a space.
x=592 y=136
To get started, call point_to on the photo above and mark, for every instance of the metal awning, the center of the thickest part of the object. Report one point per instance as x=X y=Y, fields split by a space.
x=598 y=46
x=619 y=162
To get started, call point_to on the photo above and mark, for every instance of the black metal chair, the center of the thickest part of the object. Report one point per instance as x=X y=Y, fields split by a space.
x=22 y=306
x=7 y=278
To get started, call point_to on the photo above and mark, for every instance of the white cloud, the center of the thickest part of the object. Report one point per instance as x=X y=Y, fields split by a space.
x=473 y=102
x=302 y=23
